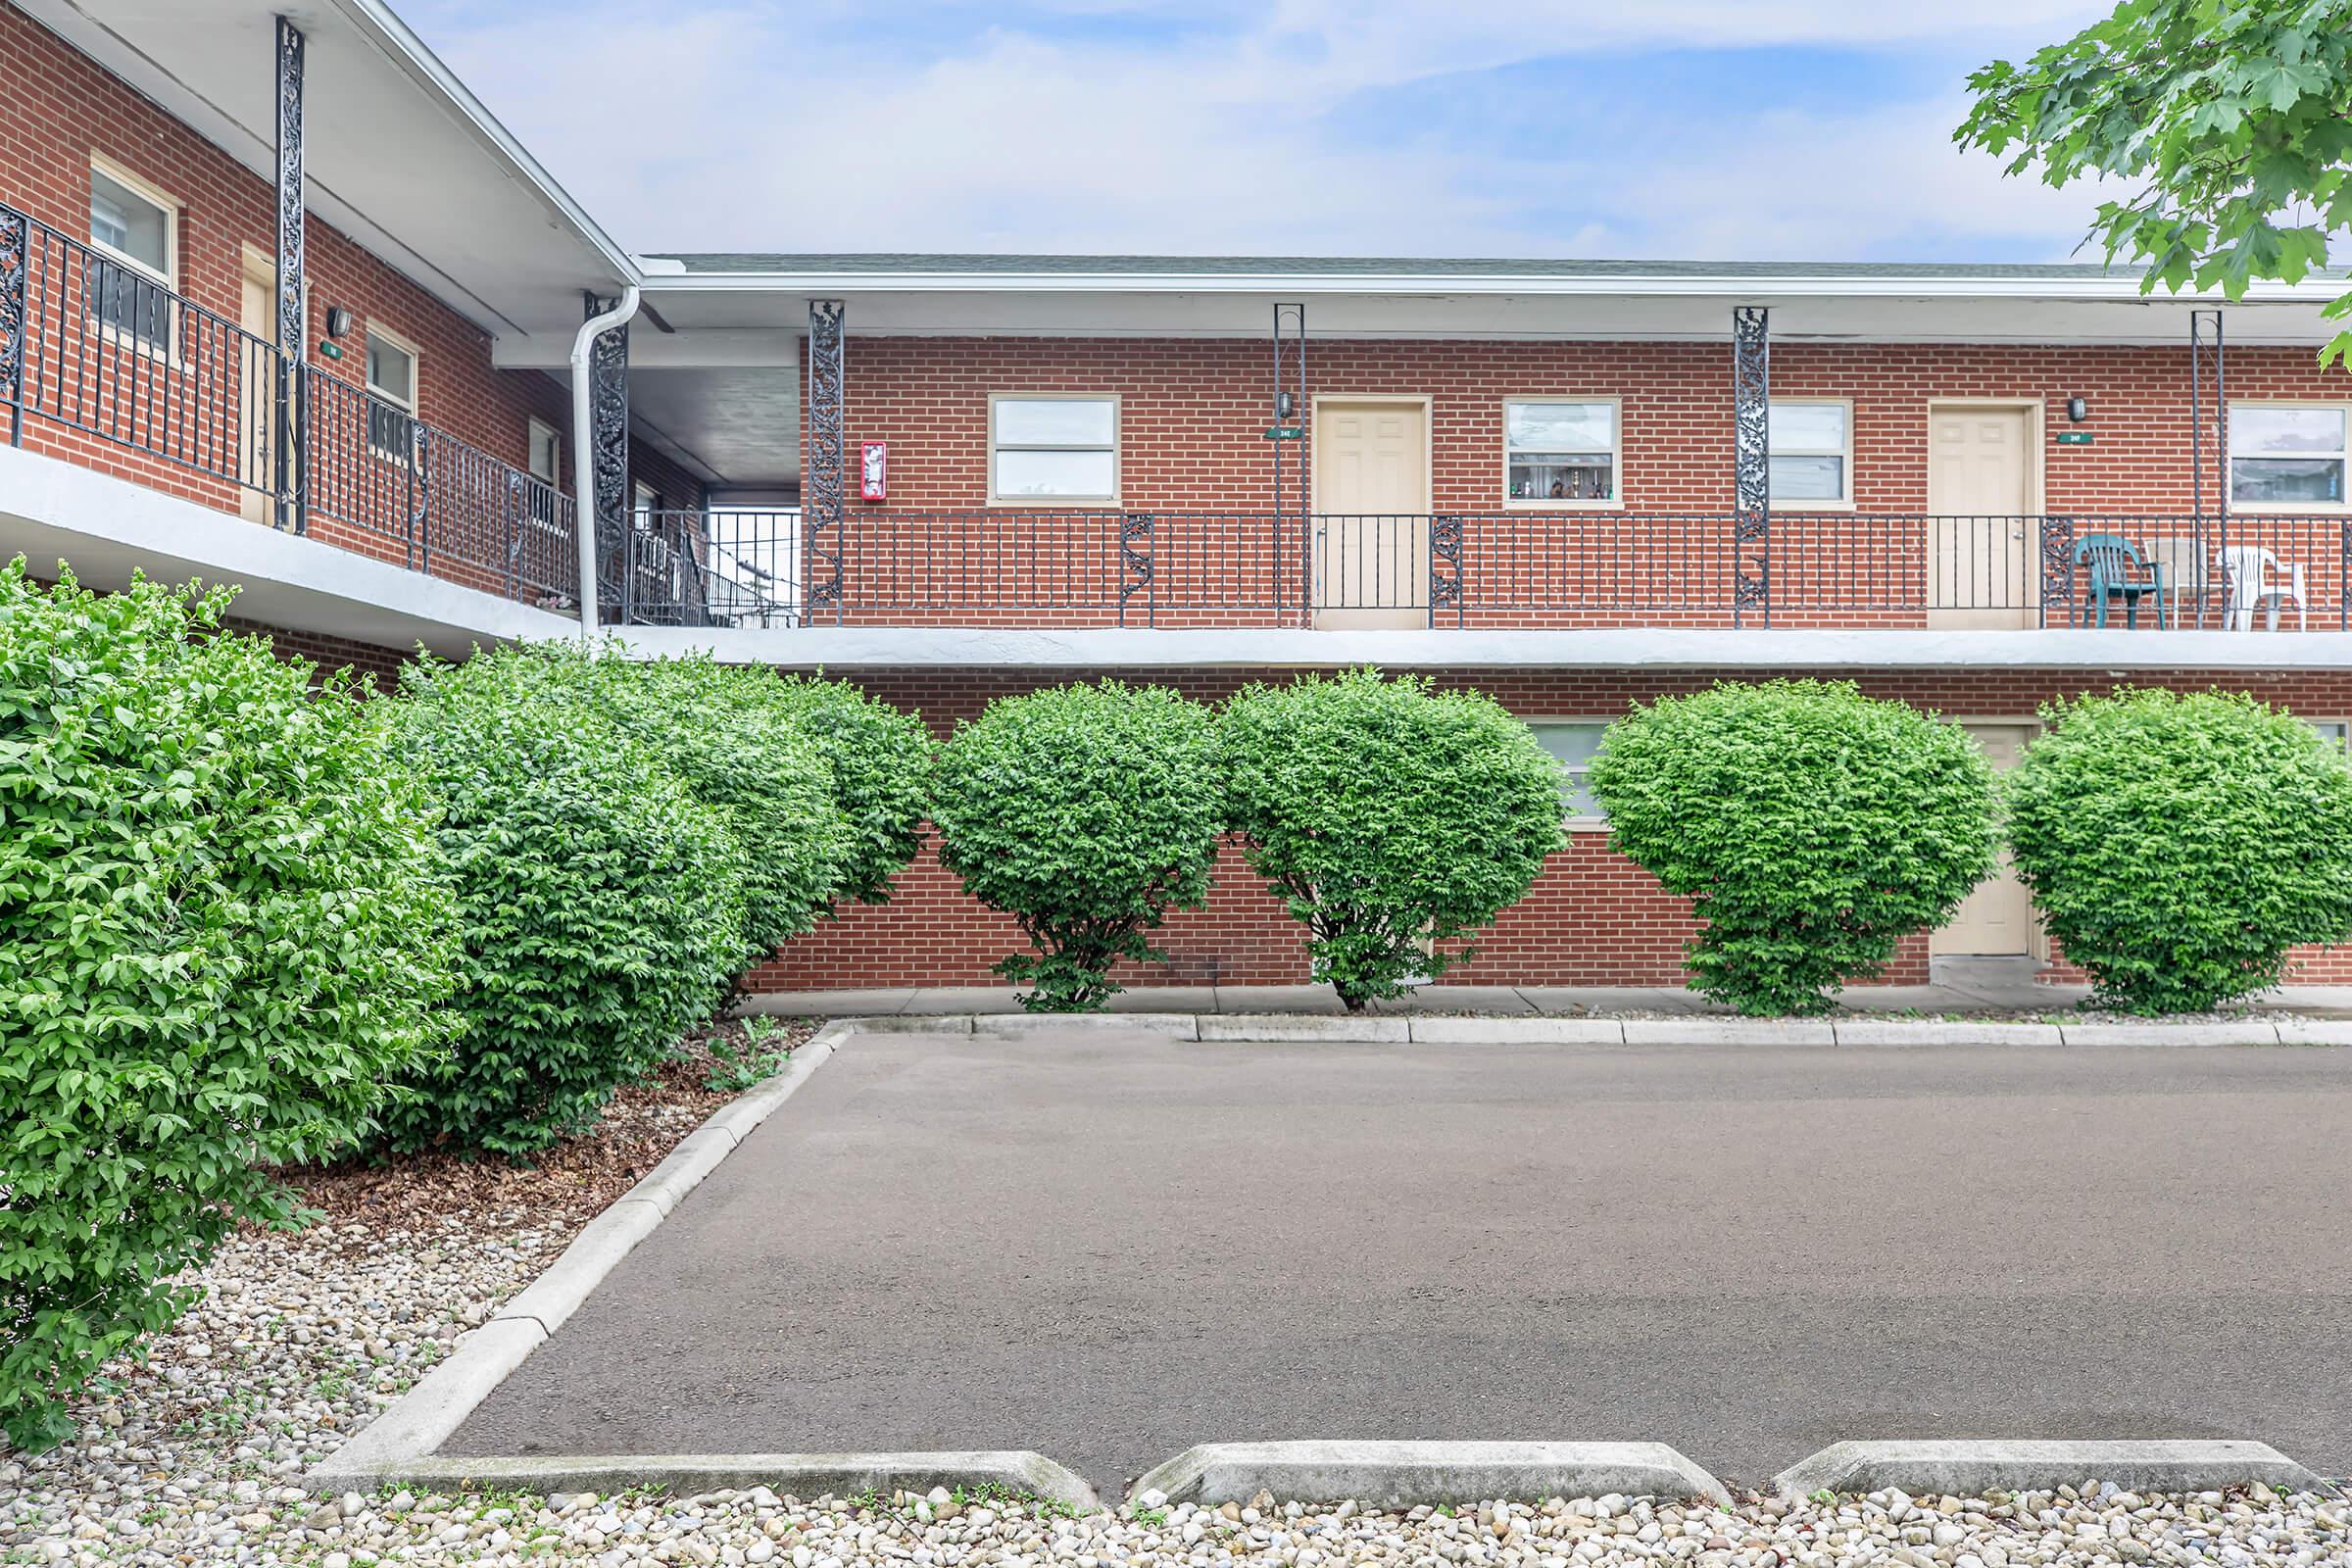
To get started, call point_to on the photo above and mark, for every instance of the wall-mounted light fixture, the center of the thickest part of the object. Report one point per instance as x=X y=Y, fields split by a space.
x=338 y=320
x=2077 y=410
x=1283 y=407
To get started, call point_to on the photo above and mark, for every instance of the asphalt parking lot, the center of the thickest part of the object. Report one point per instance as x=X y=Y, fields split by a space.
x=1108 y=1246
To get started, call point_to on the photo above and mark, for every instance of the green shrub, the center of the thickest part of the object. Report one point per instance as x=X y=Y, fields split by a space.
x=1391 y=817
x=881 y=761
x=1810 y=826
x=1084 y=812
x=218 y=935
x=601 y=906
x=733 y=739
x=2179 y=846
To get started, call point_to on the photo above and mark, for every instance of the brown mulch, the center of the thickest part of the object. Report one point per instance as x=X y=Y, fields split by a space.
x=567 y=1185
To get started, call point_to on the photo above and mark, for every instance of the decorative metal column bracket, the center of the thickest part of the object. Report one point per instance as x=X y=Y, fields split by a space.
x=1751 y=468
x=1135 y=565
x=291 y=478
x=2206 y=370
x=608 y=403
x=821 y=504
x=517 y=503
x=1290 y=410
x=15 y=267
x=1444 y=567
x=2057 y=566
x=420 y=492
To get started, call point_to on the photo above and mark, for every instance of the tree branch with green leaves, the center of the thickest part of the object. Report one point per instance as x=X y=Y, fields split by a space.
x=2232 y=119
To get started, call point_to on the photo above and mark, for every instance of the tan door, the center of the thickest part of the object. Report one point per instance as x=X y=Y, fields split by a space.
x=1997 y=918
x=256 y=313
x=1371 y=545
x=1981 y=538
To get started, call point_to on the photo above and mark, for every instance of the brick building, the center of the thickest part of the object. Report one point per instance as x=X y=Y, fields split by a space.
x=1573 y=485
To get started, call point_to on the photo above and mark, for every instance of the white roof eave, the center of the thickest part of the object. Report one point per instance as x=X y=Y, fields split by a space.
x=666 y=280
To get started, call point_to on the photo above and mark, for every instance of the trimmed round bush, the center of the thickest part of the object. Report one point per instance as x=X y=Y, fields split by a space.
x=219 y=933
x=601 y=906
x=1086 y=813
x=2177 y=845
x=881 y=760
x=1389 y=817
x=731 y=737
x=1811 y=827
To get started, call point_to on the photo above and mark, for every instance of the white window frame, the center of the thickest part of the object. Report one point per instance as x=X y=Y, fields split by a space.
x=2341 y=741
x=2342 y=410
x=1118 y=450
x=545 y=498
x=173 y=209
x=1574 y=821
x=1844 y=455
x=536 y=428
x=370 y=390
x=1616 y=497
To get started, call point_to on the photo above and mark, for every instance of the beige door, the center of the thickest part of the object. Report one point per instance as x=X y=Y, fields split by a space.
x=1371 y=544
x=1997 y=918
x=256 y=313
x=1982 y=536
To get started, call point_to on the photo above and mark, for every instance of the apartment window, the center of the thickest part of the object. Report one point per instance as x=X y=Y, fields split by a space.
x=544 y=454
x=1559 y=452
x=2288 y=453
x=644 y=502
x=2338 y=736
x=546 y=457
x=1810 y=451
x=1575 y=745
x=1054 y=448
x=391 y=395
x=134 y=257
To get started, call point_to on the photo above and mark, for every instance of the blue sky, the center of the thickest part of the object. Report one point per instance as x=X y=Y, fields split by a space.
x=1705 y=130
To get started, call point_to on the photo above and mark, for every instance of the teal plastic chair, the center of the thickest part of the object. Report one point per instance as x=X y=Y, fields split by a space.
x=2118 y=569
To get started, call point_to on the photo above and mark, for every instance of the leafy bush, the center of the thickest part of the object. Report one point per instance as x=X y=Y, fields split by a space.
x=217 y=935
x=2179 y=846
x=1389 y=817
x=601 y=906
x=733 y=739
x=881 y=760
x=1810 y=826
x=1084 y=812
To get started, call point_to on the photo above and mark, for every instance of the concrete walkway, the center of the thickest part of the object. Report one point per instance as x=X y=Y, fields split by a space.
x=1108 y=1246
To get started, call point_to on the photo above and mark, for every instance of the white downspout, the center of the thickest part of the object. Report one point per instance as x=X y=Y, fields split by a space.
x=583 y=449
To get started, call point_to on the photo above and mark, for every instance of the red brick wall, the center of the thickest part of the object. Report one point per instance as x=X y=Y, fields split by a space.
x=57 y=109
x=1193 y=416
x=1591 y=918
x=372 y=661
x=1194 y=412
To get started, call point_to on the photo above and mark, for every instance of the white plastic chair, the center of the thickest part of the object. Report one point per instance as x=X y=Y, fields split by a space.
x=2256 y=580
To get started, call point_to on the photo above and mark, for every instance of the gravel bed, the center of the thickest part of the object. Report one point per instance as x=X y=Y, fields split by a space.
x=190 y=1455
x=194 y=1456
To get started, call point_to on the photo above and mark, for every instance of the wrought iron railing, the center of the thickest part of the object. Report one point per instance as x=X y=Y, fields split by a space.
x=1494 y=570
x=447 y=507
x=98 y=350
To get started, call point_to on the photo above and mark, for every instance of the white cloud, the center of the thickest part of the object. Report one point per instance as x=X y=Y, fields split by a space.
x=746 y=127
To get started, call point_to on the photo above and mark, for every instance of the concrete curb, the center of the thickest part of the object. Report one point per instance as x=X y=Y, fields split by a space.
x=391 y=1448
x=1517 y=1031
x=1971 y=1468
x=1021 y=1025
x=1408 y=1475
x=1392 y=1029
x=799 y=1475
x=1283 y=1028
